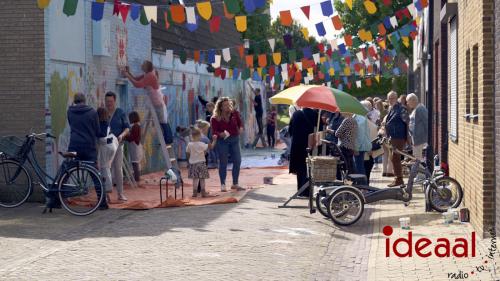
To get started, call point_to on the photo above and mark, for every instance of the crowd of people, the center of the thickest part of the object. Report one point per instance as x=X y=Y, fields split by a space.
x=403 y=120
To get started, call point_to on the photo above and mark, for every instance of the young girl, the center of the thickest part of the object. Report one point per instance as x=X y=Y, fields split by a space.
x=105 y=156
x=195 y=152
x=271 y=127
x=135 y=148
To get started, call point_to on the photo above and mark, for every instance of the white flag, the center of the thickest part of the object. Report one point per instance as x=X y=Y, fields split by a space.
x=216 y=64
x=282 y=86
x=316 y=58
x=272 y=43
x=226 y=53
x=284 y=67
x=151 y=13
x=247 y=43
x=169 y=57
x=394 y=22
x=284 y=75
x=299 y=65
x=190 y=14
x=359 y=55
x=329 y=84
x=334 y=45
x=358 y=84
x=412 y=10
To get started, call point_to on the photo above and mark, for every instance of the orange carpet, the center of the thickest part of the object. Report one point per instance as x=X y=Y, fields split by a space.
x=147 y=195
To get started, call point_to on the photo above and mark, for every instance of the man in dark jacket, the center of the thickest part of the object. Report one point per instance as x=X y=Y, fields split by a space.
x=85 y=130
x=259 y=112
x=301 y=125
x=396 y=127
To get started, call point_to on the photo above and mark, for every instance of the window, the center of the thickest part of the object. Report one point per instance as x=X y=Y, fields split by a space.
x=475 y=82
x=453 y=80
x=467 y=85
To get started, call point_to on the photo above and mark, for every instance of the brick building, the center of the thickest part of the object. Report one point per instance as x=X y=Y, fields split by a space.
x=471 y=61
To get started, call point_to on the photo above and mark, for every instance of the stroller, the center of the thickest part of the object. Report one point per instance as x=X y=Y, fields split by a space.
x=287 y=139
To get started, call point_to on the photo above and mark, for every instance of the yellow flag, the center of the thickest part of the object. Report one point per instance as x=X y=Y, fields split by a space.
x=277 y=58
x=259 y=70
x=347 y=71
x=42 y=4
x=406 y=41
x=381 y=43
x=361 y=72
x=310 y=71
x=370 y=7
x=322 y=59
x=204 y=9
x=331 y=71
x=230 y=73
x=305 y=32
x=377 y=77
x=365 y=35
x=241 y=23
x=349 y=3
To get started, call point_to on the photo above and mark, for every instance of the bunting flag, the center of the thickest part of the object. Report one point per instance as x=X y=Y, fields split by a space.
x=348 y=40
x=226 y=53
x=327 y=8
x=394 y=22
x=135 y=11
x=377 y=77
x=215 y=24
x=272 y=43
x=247 y=43
x=286 y=18
x=177 y=12
x=190 y=15
x=277 y=58
x=307 y=52
x=358 y=84
x=183 y=56
x=249 y=6
x=241 y=23
x=370 y=7
x=97 y=11
x=69 y=8
x=381 y=30
x=124 y=9
x=305 y=32
x=151 y=13
x=233 y=6
x=306 y=10
x=262 y=60
x=241 y=50
x=287 y=38
x=42 y=4
x=316 y=58
x=388 y=3
x=292 y=56
x=321 y=29
x=204 y=9
x=116 y=7
x=260 y=3
x=211 y=56
x=365 y=35
x=196 y=56
x=216 y=63
x=227 y=14
x=191 y=27
x=337 y=23
x=249 y=60
x=349 y=4
x=143 y=19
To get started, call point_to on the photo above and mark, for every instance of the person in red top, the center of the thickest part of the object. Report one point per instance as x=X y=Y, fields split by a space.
x=134 y=147
x=227 y=126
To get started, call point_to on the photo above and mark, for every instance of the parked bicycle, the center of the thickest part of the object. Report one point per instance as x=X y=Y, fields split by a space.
x=343 y=201
x=77 y=184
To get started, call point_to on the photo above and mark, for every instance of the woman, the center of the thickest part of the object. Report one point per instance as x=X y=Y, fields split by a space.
x=227 y=126
x=346 y=133
x=272 y=117
x=120 y=127
x=149 y=81
x=301 y=125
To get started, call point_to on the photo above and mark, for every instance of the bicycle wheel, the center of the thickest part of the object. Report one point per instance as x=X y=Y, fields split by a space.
x=446 y=193
x=345 y=206
x=15 y=184
x=81 y=190
x=320 y=206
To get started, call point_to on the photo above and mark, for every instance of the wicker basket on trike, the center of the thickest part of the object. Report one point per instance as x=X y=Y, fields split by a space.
x=323 y=168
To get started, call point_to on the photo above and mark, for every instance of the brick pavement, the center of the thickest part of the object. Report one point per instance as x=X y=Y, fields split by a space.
x=251 y=240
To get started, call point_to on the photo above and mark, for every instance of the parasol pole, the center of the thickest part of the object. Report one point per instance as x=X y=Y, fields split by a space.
x=315 y=150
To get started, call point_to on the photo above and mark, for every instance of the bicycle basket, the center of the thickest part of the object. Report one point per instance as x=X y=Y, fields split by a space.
x=323 y=168
x=11 y=146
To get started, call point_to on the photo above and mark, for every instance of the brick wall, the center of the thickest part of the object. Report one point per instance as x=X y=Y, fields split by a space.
x=497 y=112
x=471 y=158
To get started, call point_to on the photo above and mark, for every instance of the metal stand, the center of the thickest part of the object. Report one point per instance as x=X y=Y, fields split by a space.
x=295 y=196
x=166 y=188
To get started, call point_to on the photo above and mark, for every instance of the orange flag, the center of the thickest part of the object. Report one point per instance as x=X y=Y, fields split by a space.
x=178 y=14
x=241 y=50
x=226 y=13
x=286 y=18
x=348 y=40
x=368 y=82
x=263 y=60
x=196 y=56
x=337 y=23
x=381 y=29
x=249 y=60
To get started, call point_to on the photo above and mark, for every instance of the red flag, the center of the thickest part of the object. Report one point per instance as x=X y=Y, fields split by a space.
x=215 y=24
x=348 y=60
x=306 y=10
x=116 y=7
x=124 y=11
x=321 y=47
x=167 y=23
x=387 y=2
x=337 y=23
x=223 y=74
x=329 y=52
x=217 y=72
x=348 y=40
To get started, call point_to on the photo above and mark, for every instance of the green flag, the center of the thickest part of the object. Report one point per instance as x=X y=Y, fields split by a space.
x=69 y=8
x=233 y=6
x=144 y=18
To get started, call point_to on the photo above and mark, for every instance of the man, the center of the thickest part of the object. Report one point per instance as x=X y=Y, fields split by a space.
x=396 y=128
x=84 y=125
x=118 y=123
x=418 y=125
x=259 y=112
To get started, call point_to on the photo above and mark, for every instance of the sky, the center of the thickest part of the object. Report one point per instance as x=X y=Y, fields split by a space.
x=315 y=17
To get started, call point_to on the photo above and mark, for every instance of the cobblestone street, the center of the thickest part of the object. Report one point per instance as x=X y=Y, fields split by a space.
x=251 y=240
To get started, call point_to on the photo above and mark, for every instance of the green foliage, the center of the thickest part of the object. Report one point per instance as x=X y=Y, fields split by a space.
x=381 y=89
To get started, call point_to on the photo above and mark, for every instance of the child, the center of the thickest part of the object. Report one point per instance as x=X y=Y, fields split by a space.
x=135 y=147
x=105 y=155
x=195 y=152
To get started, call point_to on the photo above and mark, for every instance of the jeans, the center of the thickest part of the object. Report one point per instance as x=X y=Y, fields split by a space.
x=260 y=133
x=349 y=161
x=359 y=162
x=229 y=146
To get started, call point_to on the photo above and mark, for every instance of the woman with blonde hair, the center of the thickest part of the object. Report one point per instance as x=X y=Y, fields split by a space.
x=227 y=126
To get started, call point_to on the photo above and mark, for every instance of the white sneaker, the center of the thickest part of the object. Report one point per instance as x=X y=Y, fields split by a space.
x=223 y=188
x=122 y=198
x=171 y=175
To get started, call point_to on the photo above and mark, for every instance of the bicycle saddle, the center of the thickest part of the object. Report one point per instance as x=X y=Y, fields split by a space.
x=357 y=178
x=68 y=154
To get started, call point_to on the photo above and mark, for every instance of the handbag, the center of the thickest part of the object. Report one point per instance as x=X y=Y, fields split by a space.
x=377 y=149
x=108 y=146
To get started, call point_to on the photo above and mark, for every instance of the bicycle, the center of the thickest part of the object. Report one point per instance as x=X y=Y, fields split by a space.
x=344 y=202
x=77 y=184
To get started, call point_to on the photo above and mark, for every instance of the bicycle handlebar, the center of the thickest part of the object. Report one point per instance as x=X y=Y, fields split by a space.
x=40 y=136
